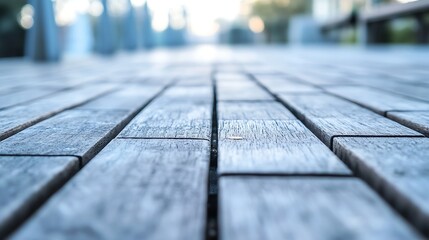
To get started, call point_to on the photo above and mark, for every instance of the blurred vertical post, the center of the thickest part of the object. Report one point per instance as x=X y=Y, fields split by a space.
x=42 y=42
x=369 y=33
x=104 y=36
x=130 y=29
x=147 y=31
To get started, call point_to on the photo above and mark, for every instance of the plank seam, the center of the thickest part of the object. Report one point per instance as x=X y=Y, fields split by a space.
x=212 y=222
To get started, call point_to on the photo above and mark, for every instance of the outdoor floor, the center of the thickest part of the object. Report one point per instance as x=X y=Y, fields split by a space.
x=217 y=143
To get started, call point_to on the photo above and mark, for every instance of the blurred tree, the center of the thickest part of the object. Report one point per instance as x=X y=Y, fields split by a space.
x=276 y=14
x=12 y=35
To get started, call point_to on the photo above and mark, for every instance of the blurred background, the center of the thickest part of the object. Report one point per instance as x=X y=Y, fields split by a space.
x=149 y=24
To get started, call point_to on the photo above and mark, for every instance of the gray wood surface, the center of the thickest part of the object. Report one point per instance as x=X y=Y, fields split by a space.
x=177 y=113
x=274 y=147
x=134 y=189
x=129 y=98
x=75 y=132
x=25 y=182
x=409 y=90
x=305 y=208
x=243 y=110
x=396 y=167
x=17 y=118
x=232 y=75
x=329 y=117
x=20 y=96
x=377 y=100
x=418 y=120
x=282 y=85
x=241 y=90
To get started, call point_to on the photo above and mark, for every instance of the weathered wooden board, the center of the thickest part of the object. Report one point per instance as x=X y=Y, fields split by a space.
x=253 y=208
x=417 y=91
x=25 y=182
x=274 y=147
x=241 y=90
x=329 y=117
x=195 y=81
x=17 y=118
x=134 y=189
x=231 y=76
x=173 y=115
x=75 y=132
x=190 y=94
x=22 y=96
x=243 y=110
x=397 y=167
x=377 y=100
x=418 y=120
x=320 y=77
x=282 y=85
x=130 y=99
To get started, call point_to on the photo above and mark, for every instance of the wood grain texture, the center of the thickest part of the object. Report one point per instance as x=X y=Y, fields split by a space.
x=17 y=118
x=134 y=189
x=241 y=91
x=278 y=85
x=268 y=208
x=418 y=120
x=397 y=167
x=190 y=94
x=75 y=132
x=273 y=147
x=329 y=117
x=410 y=90
x=178 y=113
x=129 y=99
x=25 y=182
x=21 y=96
x=376 y=100
x=253 y=111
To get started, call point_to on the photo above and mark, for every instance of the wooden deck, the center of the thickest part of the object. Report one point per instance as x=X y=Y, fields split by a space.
x=217 y=143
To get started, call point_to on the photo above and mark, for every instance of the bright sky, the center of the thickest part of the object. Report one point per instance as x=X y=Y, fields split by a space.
x=202 y=14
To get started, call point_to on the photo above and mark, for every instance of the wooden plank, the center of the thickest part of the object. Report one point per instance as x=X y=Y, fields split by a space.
x=418 y=120
x=75 y=132
x=273 y=147
x=128 y=98
x=134 y=189
x=409 y=90
x=287 y=86
x=376 y=100
x=231 y=76
x=253 y=111
x=22 y=96
x=241 y=91
x=25 y=182
x=395 y=167
x=305 y=208
x=17 y=118
x=195 y=81
x=180 y=112
x=329 y=117
x=190 y=94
